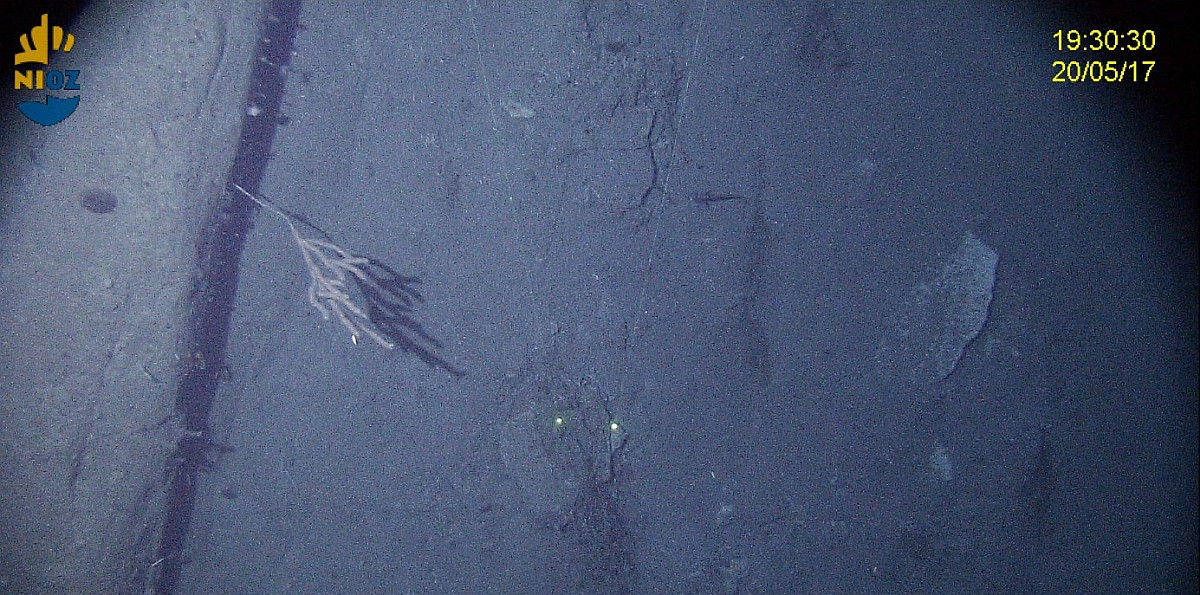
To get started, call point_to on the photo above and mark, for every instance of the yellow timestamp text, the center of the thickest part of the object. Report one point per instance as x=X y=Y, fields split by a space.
x=1100 y=71
x=1109 y=40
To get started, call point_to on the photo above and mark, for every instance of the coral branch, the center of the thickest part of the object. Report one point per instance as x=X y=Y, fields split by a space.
x=390 y=297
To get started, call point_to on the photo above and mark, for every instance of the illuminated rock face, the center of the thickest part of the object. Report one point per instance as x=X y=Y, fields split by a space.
x=940 y=317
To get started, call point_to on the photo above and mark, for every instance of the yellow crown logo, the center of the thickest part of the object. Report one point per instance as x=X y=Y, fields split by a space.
x=42 y=43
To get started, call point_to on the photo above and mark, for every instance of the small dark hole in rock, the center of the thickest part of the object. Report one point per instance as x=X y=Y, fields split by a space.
x=228 y=493
x=99 y=201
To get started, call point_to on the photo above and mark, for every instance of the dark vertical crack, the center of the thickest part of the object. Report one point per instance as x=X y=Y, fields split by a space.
x=211 y=304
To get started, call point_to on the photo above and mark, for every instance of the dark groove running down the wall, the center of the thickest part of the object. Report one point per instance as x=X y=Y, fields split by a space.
x=211 y=305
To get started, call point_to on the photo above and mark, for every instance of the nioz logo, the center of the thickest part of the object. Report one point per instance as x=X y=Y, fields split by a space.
x=36 y=46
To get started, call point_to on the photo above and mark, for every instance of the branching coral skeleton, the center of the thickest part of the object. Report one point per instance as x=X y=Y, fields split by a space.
x=385 y=311
x=328 y=265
